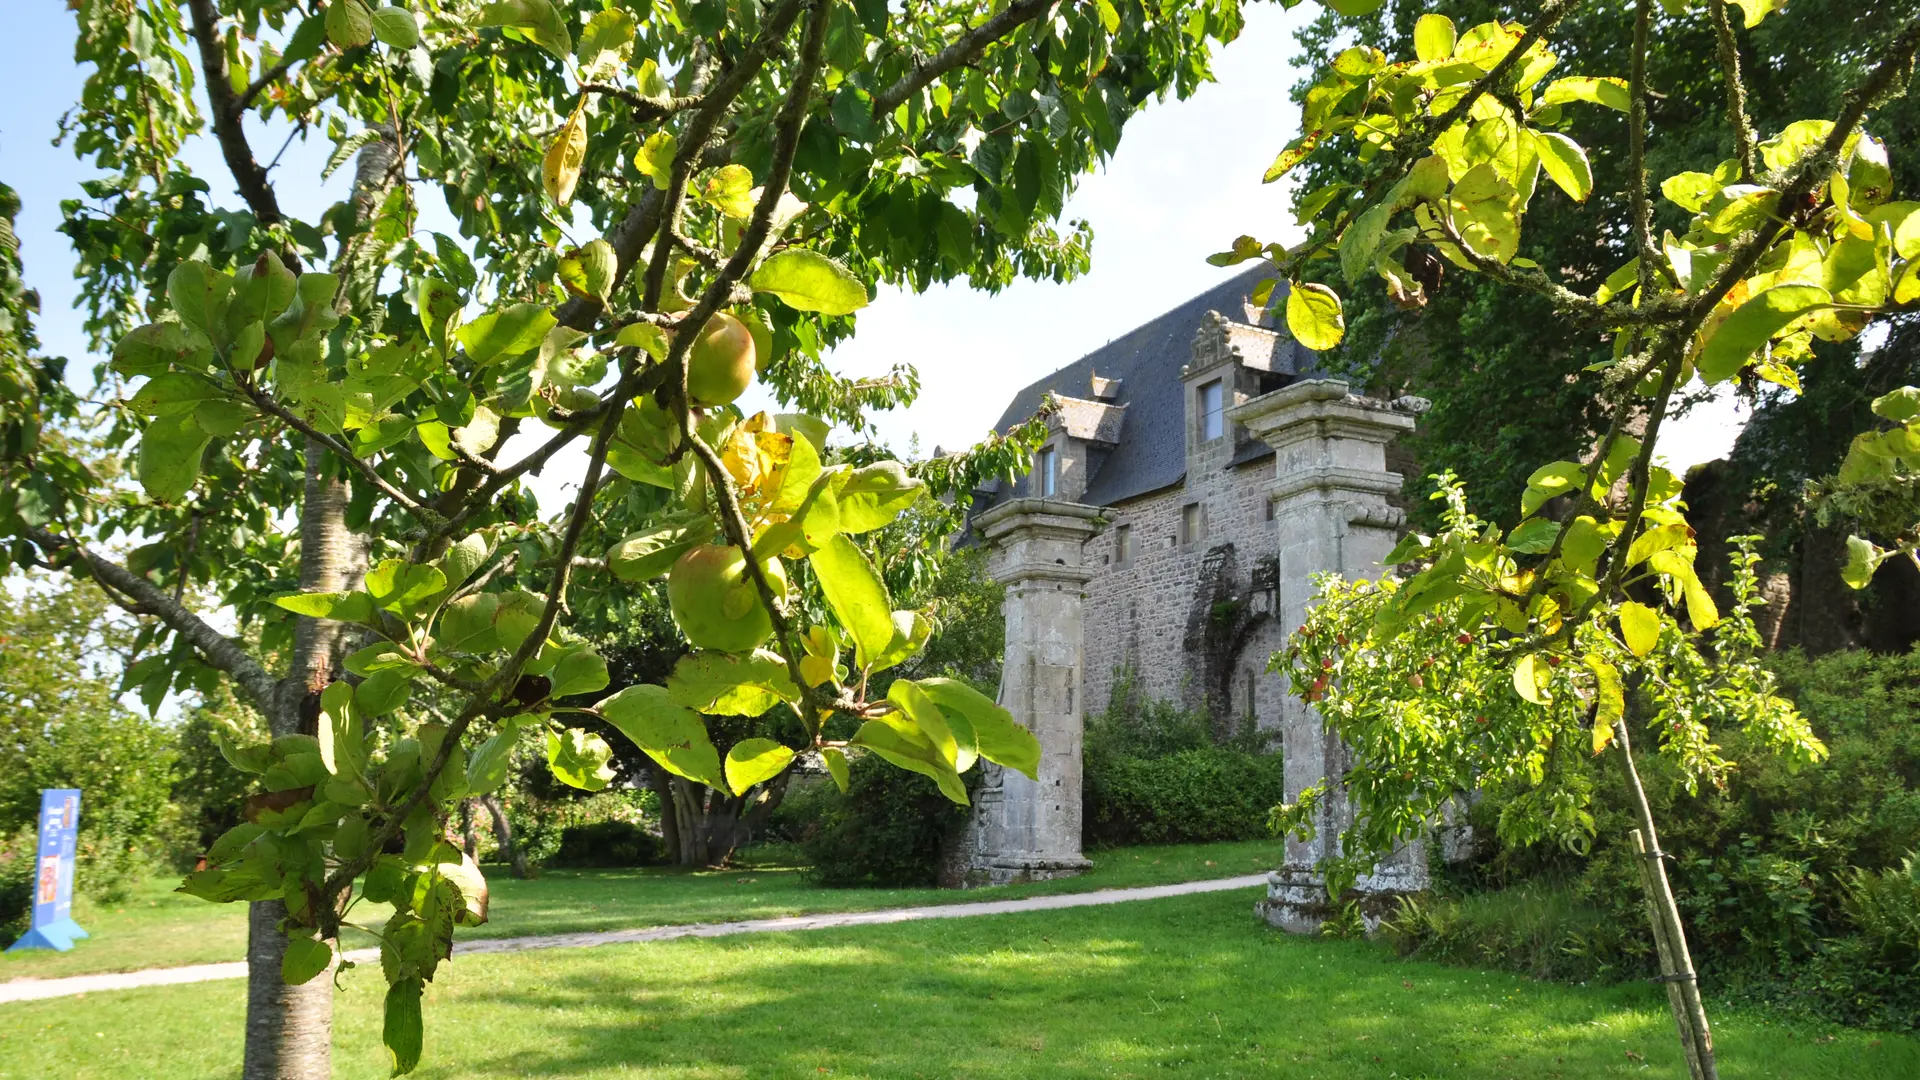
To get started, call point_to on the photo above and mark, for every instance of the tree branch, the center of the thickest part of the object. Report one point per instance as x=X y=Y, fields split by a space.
x=964 y=49
x=1736 y=90
x=426 y=515
x=248 y=176
x=644 y=108
x=787 y=125
x=267 y=78
x=700 y=128
x=219 y=650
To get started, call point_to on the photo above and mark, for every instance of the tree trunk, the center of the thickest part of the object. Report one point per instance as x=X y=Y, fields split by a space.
x=1669 y=936
x=709 y=825
x=290 y=1028
x=662 y=785
x=469 y=837
x=503 y=835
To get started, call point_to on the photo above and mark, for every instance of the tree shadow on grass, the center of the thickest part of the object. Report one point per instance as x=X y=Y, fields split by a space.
x=1190 y=987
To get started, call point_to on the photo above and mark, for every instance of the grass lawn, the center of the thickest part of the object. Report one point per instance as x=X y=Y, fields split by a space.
x=1190 y=987
x=156 y=927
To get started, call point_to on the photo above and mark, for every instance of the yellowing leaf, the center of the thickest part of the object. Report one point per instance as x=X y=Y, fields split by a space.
x=809 y=281
x=560 y=171
x=1433 y=37
x=1609 y=700
x=1565 y=163
x=753 y=761
x=1314 y=316
x=837 y=767
x=1750 y=325
x=1527 y=680
x=1611 y=93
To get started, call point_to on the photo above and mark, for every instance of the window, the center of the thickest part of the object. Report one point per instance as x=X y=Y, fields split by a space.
x=1123 y=544
x=1193 y=524
x=1213 y=419
x=1046 y=473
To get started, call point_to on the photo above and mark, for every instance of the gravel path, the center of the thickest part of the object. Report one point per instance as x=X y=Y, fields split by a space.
x=35 y=989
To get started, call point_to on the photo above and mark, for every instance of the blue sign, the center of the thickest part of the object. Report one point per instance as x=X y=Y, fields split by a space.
x=53 y=925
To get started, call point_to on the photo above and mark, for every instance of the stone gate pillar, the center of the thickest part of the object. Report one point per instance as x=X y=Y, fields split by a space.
x=1026 y=830
x=1330 y=494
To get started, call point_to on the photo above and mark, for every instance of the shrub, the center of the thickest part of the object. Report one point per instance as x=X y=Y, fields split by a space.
x=16 y=888
x=606 y=843
x=1152 y=774
x=891 y=829
x=1797 y=887
x=1211 y=793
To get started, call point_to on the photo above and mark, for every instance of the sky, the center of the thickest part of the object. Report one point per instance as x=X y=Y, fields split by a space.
x=1184 y=183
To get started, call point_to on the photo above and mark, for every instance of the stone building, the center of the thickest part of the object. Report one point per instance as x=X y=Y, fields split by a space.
x=1197 y=472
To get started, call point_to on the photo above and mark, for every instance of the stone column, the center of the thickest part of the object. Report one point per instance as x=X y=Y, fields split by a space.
x=1026 y=830
x=1331 y=491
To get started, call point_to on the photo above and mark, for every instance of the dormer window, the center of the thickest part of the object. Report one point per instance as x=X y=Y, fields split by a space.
x=1213 y=417
x=1046 y=472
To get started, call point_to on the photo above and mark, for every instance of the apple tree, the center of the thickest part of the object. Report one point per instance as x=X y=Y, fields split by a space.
x=1585 y=625
x=328 y=422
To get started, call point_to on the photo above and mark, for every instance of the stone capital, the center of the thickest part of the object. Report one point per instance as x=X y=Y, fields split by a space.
x=1320 y=408
x=1039 y=539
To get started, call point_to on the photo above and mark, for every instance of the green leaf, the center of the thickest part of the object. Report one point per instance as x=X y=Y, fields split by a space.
x=394 y=26
x=1690 y=190
x=580 y=759
x=538 y=19
x=753 y=761
x=872 y=496
x=1314 y=316
x=1565 y=163
x=1863 y=558
x=856 y=595
x=836 y=767
x=517 y=616
x=1548 y=481
x=1353 y=9
x=928 y=721
x=907 y=752
x=997 y=736
x=1677 y=563
x=399 y=586
x=383 y=691
x=809 y=281
x=1744 y=332
x=1612 y=93
x=1533 y=536
x=342 y=606
x=1433 y=37
x=644 y=336
x=487 y=768
x=1361 y=240
x=721 y=684
x=646 y=555
x=1528 y=680
x=508 y=332
x=305 y=957
x=157 y=348
x=579 y=670
x=173 y=392
x=401 y=1030
x=670 y=733
x=654 y=159
x=349 y=23
x=169 y=459
x=605 y=44
x=910 y=633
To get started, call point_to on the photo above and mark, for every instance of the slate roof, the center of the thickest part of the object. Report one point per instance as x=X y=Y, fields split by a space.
x=1151 y=450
